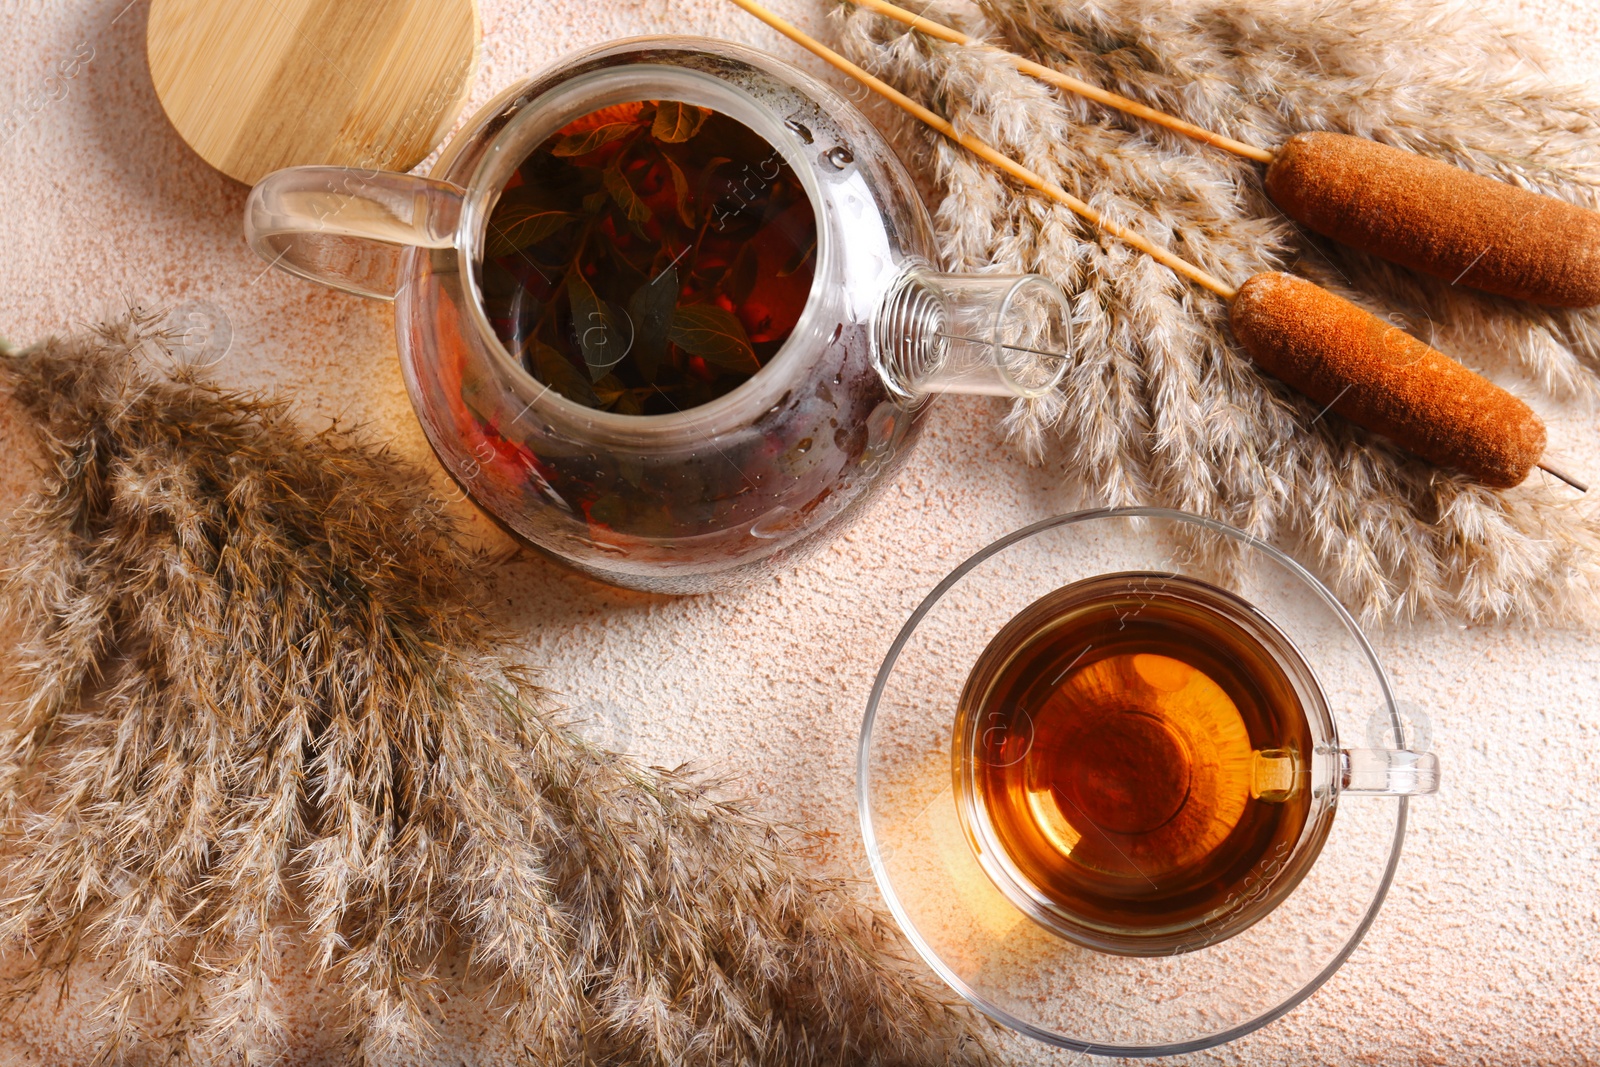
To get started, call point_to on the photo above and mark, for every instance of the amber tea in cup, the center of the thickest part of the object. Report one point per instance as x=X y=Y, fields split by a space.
x=1133 y=760
x=1149 y=716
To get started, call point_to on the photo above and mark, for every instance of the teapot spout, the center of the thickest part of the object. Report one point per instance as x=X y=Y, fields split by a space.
x=984 y=334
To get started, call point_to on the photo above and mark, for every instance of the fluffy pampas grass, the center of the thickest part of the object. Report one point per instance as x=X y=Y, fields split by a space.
x=1161 y=406
x=258 y=704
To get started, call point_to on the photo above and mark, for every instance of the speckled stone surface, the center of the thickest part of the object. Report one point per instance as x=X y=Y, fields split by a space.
x=1485 y=952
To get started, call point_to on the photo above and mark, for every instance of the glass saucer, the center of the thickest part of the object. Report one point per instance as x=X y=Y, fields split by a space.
x=1013 y=969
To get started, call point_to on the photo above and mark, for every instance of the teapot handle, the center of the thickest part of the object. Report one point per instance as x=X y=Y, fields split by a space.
x=345 y=227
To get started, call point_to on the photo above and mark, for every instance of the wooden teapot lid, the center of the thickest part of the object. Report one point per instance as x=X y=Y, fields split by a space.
x=255 y=85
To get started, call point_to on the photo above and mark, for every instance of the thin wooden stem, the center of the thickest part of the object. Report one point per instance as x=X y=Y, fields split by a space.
x=1556 y=472
x=1071 y=84
x=1177 y=264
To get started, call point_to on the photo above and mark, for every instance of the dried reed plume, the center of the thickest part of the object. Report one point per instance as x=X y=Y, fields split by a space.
x=1162 y=406
x=259 y=705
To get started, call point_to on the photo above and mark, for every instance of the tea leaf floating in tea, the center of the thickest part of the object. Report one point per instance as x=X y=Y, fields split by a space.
x=525 y=221
x=586 y=141
x=714 y=335
x=258 y=704
x=659 y=244
x=676 y=122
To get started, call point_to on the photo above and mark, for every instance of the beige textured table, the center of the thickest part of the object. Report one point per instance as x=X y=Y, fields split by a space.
x=1486 y=952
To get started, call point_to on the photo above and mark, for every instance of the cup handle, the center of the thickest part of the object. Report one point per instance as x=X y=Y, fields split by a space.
x=1386 y=772
x=346 y=228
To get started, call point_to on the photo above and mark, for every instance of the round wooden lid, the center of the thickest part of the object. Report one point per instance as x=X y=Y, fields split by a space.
x=255 y=85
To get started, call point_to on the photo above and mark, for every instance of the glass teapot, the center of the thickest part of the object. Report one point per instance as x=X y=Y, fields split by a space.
x=716 y=493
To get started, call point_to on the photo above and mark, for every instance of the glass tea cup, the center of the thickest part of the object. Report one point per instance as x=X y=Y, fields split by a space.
x=1266 y=929
x=722 y=491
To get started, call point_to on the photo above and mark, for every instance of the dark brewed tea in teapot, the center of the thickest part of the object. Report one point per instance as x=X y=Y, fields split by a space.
x=649 y=257
x=668 y=310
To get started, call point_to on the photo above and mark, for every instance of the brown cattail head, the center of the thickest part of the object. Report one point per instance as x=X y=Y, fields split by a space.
x=1440 y=220
x=1380 y=377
